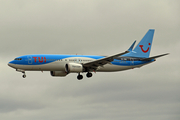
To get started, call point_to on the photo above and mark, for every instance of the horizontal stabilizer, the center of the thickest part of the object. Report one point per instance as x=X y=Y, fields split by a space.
x=132 y=46
x=147 y=59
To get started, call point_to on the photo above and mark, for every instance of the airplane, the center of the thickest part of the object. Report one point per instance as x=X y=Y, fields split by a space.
x=62 y=65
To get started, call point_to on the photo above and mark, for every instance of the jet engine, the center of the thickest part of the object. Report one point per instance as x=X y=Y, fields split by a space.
x=73 y=67
x=58 y=73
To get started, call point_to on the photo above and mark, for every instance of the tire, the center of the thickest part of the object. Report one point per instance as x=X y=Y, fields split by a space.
x=79 y=77
x=89 y=75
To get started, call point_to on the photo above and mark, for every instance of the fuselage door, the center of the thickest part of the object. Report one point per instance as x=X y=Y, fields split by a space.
x=30 y=60
x=77 y=60
x=131 y=61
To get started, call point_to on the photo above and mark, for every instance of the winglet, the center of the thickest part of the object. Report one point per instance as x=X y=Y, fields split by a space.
x=131 y=48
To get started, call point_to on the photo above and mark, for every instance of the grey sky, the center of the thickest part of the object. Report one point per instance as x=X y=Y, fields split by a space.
x=102 y=27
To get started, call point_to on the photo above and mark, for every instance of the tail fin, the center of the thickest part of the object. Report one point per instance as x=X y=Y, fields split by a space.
x=144 y=47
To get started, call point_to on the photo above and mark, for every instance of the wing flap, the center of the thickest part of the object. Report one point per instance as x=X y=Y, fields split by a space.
x=102 y=61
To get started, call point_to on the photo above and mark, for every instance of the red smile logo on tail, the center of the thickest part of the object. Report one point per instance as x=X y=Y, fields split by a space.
x=145 y=51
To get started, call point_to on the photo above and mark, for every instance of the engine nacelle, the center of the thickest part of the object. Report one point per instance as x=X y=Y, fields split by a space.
x=73 y=67
x=58 y=73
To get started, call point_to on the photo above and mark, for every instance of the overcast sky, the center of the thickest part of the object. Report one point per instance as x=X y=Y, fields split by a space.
x=96 y=27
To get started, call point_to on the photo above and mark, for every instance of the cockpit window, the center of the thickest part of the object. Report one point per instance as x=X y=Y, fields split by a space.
x=18 y=59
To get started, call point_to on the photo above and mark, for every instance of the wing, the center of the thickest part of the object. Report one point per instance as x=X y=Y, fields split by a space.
x=93 y=65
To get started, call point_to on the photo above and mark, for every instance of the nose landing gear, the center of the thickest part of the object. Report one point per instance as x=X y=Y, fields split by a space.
x=23 y=71
x=24 y=75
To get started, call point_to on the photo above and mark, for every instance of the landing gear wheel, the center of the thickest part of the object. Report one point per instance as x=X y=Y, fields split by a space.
x=89 y=75
x=24 y=76
x=79 y=77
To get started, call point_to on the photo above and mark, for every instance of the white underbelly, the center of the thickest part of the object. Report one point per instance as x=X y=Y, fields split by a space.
x=60 y=66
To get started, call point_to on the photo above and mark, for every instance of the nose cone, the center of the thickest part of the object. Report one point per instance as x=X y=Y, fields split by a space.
x=11 y=64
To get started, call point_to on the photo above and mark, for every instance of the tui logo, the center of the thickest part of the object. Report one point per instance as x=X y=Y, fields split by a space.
x=145 y=51
x=40 y=59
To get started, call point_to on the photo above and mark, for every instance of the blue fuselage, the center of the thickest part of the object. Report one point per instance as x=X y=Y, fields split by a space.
x=45 y=62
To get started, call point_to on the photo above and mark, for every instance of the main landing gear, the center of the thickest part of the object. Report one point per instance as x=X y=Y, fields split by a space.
x=80 y=77
x=89 y=75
